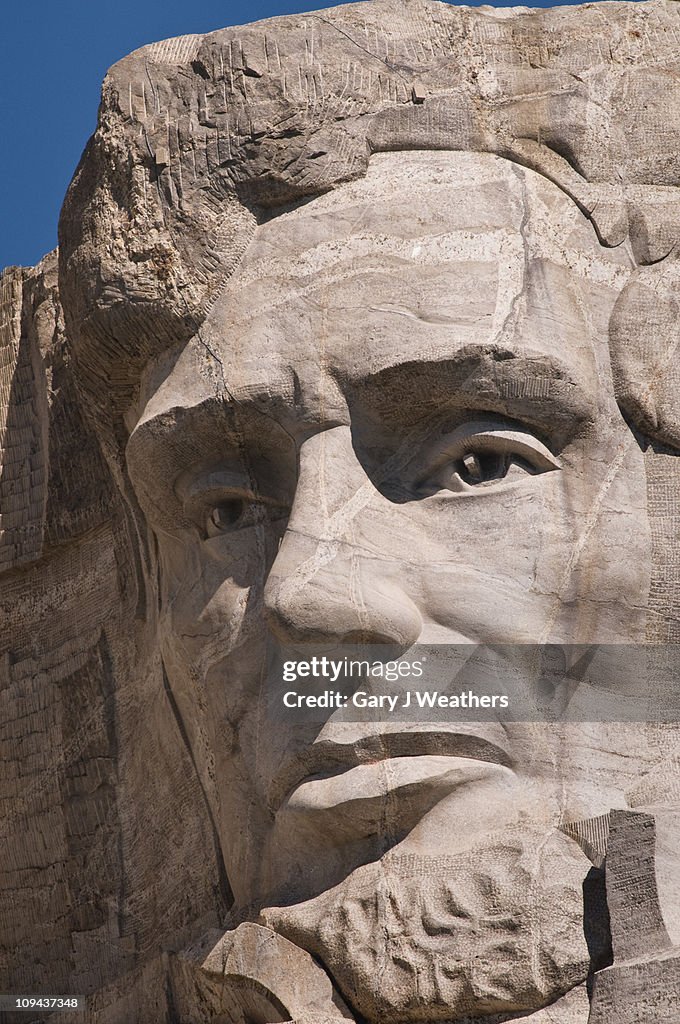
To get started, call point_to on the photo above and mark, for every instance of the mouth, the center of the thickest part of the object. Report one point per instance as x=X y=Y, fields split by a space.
x=412 y=754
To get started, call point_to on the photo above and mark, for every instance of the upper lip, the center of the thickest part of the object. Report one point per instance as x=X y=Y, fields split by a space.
x=327 y=757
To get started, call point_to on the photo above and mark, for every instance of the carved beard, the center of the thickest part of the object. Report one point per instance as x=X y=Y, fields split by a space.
x=494 y=929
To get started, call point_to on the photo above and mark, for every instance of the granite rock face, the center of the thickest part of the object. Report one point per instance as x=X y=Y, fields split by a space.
x=362 y=334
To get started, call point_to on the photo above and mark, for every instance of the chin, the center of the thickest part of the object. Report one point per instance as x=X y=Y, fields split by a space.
x=495 y=929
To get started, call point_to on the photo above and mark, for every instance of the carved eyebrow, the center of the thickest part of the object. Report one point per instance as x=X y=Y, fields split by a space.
x=527 y=386
x=183 y=431
x=241 y=408
x=162 y=447
x=523 y=386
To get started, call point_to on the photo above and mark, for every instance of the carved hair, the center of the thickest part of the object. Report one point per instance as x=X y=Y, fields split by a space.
x=200 y=136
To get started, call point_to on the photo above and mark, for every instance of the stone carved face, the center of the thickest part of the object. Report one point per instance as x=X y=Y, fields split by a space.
x=398 y=425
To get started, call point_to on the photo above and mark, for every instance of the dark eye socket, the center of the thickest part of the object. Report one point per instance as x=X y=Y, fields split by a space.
x=480 y=467
x=227 y=514
x=477 y=467
x=236 y=513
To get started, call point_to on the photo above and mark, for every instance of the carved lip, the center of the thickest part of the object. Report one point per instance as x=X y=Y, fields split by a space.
x=329 y=757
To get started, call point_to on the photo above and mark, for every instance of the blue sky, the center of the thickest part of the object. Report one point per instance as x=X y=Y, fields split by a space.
x=53 y=56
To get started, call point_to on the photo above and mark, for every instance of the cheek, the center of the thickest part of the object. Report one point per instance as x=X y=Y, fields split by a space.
x=566 y=557
x=211 y=594
x=606 y=579
x=485 y=557
x=471 y=565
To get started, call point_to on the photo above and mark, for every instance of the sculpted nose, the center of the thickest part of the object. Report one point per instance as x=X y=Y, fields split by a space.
x=330 y=581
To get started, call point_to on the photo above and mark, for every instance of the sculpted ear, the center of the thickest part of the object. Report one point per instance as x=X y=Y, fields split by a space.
x=644 y=338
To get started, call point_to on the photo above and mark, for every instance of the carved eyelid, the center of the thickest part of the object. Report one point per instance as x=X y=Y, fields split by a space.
x=222 y=486
x=480 y=434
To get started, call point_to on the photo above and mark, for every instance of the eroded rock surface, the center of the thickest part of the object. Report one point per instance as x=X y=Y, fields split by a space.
x=363 y=329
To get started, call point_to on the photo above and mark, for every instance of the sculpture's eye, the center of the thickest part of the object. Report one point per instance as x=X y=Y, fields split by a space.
x=237 y=513
x=483 y=453
x=480 y=467
x=226 y=516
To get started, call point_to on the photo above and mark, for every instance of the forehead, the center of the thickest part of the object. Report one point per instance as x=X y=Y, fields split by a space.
x=429 y=255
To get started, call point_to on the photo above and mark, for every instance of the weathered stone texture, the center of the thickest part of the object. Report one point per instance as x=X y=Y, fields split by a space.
x=76 y=882
x=363 y=327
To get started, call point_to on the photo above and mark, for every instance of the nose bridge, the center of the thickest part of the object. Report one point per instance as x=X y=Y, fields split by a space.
x=324 y=584
x=330 y=479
